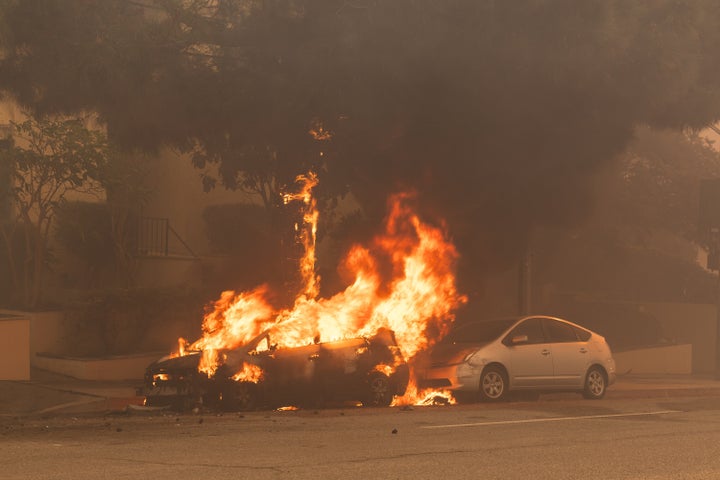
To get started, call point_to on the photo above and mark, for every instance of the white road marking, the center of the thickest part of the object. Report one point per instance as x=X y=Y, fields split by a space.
x=553 y=419
x=75 y=403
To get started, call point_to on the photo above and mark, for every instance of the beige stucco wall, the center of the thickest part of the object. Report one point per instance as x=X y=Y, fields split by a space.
x=673 y=359
x=47 y=331
x=177 y=194
x=126 y=367
x=14 y=348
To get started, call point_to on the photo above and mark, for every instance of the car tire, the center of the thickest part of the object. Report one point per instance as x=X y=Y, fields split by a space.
x=378 y=392
x=493 y=384
x=595 y=384
x=241 y=396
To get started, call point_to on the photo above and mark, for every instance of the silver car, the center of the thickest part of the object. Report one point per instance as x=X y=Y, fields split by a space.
x=489 y=360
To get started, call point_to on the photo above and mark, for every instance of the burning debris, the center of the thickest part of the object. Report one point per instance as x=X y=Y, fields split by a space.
x=400 y=300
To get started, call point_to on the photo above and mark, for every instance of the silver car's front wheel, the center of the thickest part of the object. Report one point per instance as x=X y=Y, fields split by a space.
x=595 y=384
x=493 y=384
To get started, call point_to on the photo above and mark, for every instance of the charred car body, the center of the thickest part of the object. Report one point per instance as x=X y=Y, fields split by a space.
x=367 y=370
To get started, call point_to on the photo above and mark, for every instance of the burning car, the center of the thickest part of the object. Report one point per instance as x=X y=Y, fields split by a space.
x=256 y=351
x=369 y=370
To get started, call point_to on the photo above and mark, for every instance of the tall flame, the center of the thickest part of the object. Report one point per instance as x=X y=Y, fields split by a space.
x=421 y=293
x=308 y=232
x=416 y=299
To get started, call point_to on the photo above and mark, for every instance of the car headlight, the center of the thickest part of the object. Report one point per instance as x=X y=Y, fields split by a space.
x=469 y=357
x=160 y=377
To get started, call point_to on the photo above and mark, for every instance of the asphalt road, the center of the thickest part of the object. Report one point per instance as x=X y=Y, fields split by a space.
x=559 y=438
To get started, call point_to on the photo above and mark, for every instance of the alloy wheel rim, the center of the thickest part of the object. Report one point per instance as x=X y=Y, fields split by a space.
x=596 y=383
x=493 y=385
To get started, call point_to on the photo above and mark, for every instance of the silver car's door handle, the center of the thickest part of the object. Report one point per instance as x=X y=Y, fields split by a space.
x=545 y=352
x=583 y=350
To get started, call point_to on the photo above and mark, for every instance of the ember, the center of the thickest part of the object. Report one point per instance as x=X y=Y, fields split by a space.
x=419 y=298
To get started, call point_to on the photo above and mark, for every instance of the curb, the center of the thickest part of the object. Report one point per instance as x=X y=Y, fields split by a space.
x=94 y=402
x=664 y=392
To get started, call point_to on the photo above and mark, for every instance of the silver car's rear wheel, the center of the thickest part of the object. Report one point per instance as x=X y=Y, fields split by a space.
x=493 y=384
x=595 y=384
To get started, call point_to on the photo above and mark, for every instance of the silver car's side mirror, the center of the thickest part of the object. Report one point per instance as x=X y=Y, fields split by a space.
x=519 y=339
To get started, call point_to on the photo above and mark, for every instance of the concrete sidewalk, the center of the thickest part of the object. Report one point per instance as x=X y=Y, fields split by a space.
x=646 y=386
x=52 y=394
x=49 y=393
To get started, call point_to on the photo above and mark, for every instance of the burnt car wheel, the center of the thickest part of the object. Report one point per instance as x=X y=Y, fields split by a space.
x=241 y=396
x=378 y=392
x=595 y=384
x=493 y=384
x=183 y=400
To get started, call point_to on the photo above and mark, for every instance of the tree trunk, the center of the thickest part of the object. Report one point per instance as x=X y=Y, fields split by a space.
x=27 y=268
x=42 y=233
x=9 y=237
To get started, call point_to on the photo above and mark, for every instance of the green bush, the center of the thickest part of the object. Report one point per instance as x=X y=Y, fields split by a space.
x=136 y=320
x=84 y=230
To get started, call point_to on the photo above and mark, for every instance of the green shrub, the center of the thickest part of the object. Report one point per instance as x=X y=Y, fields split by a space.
x=84 y=230
x=136 y=320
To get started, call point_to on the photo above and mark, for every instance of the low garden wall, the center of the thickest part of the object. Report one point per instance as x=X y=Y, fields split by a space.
x=14 y=347
x=670 y=359
x=119 y=367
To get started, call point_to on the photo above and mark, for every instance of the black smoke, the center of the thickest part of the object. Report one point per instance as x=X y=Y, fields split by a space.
x=499 y=113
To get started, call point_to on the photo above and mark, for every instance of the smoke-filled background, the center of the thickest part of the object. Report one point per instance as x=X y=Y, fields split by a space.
x=503 y=115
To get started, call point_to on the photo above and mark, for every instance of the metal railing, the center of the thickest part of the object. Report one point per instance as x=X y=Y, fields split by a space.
x=154 y=235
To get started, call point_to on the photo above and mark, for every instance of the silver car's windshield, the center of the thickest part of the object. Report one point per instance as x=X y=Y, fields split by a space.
x=479 y=332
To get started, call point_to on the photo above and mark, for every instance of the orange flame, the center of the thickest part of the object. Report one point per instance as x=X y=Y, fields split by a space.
x=424 y=397
x=421 y=295
x=416 y=302
x=385 y=369
x=318 y=131
x=309 y=234
x=249 y=373
x=235 y=320
x=182 y=346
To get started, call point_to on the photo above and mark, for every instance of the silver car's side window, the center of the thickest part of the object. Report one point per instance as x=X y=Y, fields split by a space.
x=477 y=332
x=583 y=335
x=560 y=332
x=531 y=328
